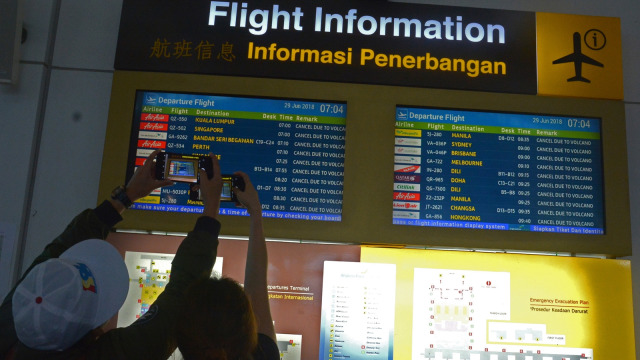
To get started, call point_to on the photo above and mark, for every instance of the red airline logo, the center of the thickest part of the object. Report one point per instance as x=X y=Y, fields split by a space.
x=406 y=196
x=153 y=144
x=154 y=117
x=154 y=126
x=409 y=169
x=406 y=205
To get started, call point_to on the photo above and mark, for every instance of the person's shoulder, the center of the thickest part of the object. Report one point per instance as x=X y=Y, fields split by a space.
x=267 y=349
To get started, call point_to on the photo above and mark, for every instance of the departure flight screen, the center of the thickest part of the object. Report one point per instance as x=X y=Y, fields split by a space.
x=293 y=150
x=501 y=171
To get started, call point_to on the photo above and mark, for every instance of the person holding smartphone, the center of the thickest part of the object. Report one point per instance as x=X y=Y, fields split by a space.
x=220 y=319
x=79 y=281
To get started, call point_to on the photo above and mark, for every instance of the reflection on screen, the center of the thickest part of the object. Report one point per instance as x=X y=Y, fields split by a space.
x=182 y=168
x=226 y=190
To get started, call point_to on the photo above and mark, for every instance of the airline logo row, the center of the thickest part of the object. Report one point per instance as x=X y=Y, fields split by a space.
x=405 y=205
x=402 y=150
x=407 y=184
x=411 y=215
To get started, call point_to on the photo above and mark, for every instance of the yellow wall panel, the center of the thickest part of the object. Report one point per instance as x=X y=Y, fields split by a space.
x=579 y=56
x=518 y=303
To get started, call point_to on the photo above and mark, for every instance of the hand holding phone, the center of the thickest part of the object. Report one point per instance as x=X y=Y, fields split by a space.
x=185 y=168
x=229 y=183
x=248 y=197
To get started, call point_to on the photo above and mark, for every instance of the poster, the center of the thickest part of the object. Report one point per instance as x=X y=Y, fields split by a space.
x=357 y=311
x=290 y=346
x=472 y=305
x=149 y=274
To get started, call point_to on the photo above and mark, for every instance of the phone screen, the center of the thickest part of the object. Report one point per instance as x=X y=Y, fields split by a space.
x=226 y=189
x=184 y=170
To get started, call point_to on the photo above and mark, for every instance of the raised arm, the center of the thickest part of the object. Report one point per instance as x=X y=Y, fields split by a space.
x=142 y=183
x=255 y=274
x=194 y=260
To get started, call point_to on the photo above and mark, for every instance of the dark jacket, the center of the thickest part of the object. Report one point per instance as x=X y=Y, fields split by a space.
x=150 y=337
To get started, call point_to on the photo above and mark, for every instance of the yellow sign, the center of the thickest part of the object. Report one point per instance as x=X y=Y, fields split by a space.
x=492 y=304
x=579 y=56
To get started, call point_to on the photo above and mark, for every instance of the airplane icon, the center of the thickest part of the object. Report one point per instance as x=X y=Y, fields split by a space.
x=577 y=58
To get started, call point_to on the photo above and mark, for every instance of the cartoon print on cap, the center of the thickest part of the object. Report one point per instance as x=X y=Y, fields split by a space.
x=88 y=281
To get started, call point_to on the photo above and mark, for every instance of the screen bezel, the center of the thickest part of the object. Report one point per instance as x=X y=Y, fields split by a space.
x=368 y=166
x=182 y=178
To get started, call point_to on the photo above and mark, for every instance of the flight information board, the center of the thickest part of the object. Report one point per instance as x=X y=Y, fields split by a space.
x=293 y=150
x=501 y=171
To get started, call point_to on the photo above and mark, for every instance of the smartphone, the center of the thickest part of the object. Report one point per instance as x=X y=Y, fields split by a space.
x=181 y=167
x=184 y=168
x=229 y=183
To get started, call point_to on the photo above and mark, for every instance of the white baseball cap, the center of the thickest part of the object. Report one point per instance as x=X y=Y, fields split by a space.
x=64 y=298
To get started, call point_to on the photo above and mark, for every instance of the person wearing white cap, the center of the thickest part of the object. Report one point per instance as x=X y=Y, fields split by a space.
x=80 y=281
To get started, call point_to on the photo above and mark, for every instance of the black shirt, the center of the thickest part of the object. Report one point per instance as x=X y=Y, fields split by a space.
x=267 y=349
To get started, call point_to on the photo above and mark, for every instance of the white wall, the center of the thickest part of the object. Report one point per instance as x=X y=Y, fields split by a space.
x=53 y=121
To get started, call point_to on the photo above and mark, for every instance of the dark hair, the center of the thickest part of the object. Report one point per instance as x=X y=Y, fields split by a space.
x=216 y=322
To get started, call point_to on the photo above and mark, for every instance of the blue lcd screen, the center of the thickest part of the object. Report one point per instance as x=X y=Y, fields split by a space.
x=292 y=149
x=501 y=171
